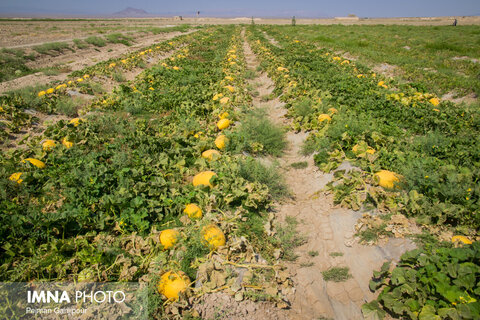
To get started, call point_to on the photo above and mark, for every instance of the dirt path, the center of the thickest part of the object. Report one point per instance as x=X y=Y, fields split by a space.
x=81 y=59
x=327 y=229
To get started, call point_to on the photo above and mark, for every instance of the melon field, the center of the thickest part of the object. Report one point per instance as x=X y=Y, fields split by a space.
x=254 y=171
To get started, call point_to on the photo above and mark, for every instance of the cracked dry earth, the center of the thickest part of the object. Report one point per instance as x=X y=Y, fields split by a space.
x=326 y=228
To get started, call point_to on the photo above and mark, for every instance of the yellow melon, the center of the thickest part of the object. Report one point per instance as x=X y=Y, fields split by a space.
x=332 y=110
x=203 y=178
x=324 y=117
x=37 y=163
x=76 y=121
x=168 y=238
x=434 y=101
x=223 y=124
x=387 y=179
x=213 y=236
x=210 y=154
x=16 y=177
x=462 y=239
x=193 y=211
x=172 y=283
x=66 y=143
x=220 y=141
x=223 y=115
x=48 y=144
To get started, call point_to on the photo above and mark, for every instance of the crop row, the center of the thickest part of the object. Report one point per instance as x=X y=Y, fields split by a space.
x=143 y=185
x=57 y=96
x=430 y=145
x=430 y=148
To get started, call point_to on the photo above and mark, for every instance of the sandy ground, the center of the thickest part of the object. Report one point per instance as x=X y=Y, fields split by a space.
x=15 y=33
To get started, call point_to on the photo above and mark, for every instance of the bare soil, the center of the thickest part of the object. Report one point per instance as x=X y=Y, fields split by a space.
x=21 y=32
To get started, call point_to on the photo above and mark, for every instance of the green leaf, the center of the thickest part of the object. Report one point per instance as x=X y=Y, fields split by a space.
x=428 y=313
x=398 y=276
x=449 y=312
x=413 y=304
x=372 y=311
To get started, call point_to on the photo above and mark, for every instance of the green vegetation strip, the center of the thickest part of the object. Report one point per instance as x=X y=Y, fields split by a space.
x=439 y=59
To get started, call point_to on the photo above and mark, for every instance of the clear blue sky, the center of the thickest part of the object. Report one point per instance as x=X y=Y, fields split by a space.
x=271 y=8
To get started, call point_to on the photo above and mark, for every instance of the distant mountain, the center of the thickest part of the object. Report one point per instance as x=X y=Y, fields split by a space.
x=131 y=13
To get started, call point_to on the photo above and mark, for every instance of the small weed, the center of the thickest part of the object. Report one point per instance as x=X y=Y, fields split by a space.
x=80 y=44
x=257 y=134
x=13 y=63
x=68 y=106
x=313 y=253
x=254 y=171
x=119 y=77
x=96 y=41
x=50 y=72
x=299 y=165
x=266 y=98
x=288 y=238
x=250 y=74
x=303 y=107
x=55 y=70
x=306 y=264
x=257 y=296
x=337 y=274
x=52 y=48
x=195 y=250
x=336 y=254
x=91 y=88
x=119 y=38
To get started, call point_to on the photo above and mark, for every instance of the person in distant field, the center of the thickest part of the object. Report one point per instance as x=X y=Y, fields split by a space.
x=455 y=22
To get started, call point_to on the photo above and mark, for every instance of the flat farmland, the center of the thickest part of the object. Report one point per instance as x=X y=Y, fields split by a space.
x=247 y=169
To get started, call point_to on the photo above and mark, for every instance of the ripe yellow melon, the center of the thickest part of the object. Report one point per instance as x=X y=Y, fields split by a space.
x=357 y=151
x=462 y=239
x=76 y=121
x=324 y=117
x=16 y=177
x=66 y=143
x=203 y=178
x=37 y=163
x=223 y=124
x=223 y=115
x=434 y=101
x=168 y=238
x=193 y=211
x=48 y=144
x=213 y=236
x=387 y=179
x=172 y=283
x=220 y=141
x=210 y=154
x=332 y=110
x=224 y=100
